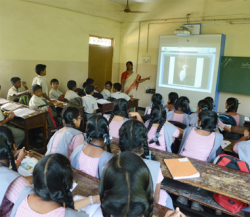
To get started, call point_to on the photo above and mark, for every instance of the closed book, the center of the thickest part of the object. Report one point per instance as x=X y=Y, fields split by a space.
x=181 y=168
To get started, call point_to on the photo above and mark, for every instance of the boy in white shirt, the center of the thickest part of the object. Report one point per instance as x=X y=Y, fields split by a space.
x=37 y=99
x=15 y=92
x=106 y=91
x=54 y=93
x=41 y=80
x=89 y=102
x=71 y=94
x=117 y=94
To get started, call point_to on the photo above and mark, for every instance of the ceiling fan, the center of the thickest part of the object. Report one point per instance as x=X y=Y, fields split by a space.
x=127 y=10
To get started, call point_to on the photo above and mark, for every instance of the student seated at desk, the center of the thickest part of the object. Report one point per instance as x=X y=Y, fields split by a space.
x=89 y=102
x=71 y=94
x=15 y=92
x=172 y=100
x=37 y=99
x=204 y=105
x=130 y=188
x=118 y=117
x=180 y=114
x=97 y=90
x=90 y=158
x=232 y=107
x=201 y=143
x=106 y=91
x=161 y=132
x=51 y=196
x=18 y=134
x=117 y=94
x=156 y=99
x=65 y=140
x=54 y=93
x=41 y=80
x=12 y=183
x=133 y=137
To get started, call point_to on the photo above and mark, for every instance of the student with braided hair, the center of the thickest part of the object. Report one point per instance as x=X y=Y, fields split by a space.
x=201 y=143
x=180 y=114
x=65 y=140
x=12 y=183
x=204 y=105
x=118 y=117
x=132 y=137
x=126 y=189
x=53 y=179
x=160 y=131
x=172 y=100
x=155 y=100
x=91 y=157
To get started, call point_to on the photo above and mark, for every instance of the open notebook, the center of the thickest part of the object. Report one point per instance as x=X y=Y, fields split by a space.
x=21 y=112
x=10 y=106
x=27 y=166
x=181 y=168
x=2 y=101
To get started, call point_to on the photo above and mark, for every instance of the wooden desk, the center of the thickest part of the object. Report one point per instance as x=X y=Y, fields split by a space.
x=32 y=121
x=88 y=185
x=215 y=178
x=107 y=107
x=238 y=129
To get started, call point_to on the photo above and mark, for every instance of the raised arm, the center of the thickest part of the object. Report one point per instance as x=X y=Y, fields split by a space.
x=142 y=80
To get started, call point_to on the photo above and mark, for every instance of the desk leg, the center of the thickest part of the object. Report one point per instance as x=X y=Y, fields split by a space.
x=44 y=133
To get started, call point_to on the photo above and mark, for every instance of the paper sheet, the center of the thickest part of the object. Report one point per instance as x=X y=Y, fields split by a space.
x=10 y=106
x=91 y=209
x=23 y=112
x=225 y=143
x=246 y=119
x=2 y=101
x=102 y=101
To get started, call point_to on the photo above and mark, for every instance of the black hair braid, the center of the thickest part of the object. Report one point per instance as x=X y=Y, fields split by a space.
x=11 y=157
x=150 y=124
x=68 y=199
x=111 y=118
x=162 y=122
x=149 y=212
x=126 y=114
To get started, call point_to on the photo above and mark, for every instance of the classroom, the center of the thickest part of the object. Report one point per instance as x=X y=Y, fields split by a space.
x=88 y=88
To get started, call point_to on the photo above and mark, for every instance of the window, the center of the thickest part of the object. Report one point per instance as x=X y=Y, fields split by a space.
x=100 y=41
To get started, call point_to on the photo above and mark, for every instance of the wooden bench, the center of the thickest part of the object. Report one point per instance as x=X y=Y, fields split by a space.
x=88 y=185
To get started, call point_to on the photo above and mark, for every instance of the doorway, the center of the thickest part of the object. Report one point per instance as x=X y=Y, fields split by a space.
x=100 y=60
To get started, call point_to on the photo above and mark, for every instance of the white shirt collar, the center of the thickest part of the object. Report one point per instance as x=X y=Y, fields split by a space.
x=39 y=76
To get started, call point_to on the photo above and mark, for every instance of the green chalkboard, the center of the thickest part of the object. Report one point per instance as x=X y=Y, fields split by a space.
x=235 y=75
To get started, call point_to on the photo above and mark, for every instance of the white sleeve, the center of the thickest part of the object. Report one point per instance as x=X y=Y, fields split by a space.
x=127 y=97
x=11 y=92
x=95 y=106
x=1 y=115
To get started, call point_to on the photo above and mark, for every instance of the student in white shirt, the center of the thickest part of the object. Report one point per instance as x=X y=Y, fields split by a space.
x=54 y=93
x=106 y=91
x=71 y=94
x=41 y=80
x=37 y=99
x=89 y=102
x=117 y=94
x=15 y=92
x=97 y=90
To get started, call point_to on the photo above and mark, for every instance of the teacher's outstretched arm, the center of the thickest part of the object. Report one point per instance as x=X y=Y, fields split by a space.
x=142 y=80
x=122 y=84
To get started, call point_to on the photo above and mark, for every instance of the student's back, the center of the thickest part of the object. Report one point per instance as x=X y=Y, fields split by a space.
x=117 y=94
x=160 y=132
x=118 y=117
x=71 y=94
x=172 y=100
x=155 y=100
x=91 y=157
x=65 y=140
x=202 y=143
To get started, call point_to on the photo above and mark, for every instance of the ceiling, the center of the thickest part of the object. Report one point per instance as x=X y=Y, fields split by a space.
x=124 y=2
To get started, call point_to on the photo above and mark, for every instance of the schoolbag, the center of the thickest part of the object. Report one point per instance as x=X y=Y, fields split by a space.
x=25 y=99
x=76 y=101
x=227 y=119
x=53 y=120
x=228 y=161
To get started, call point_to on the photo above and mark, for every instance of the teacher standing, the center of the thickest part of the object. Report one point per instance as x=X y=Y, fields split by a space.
x=130 y=80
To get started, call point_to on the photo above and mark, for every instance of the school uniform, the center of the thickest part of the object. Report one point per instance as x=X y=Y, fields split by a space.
x=65 y=143
x=115 y=126
x=119 y=95
x=200 y=147
x=182 y=118
x=11 y=92
x=54 y=93
x=41 y=80
x=149 y=109
x=167 y=132
x=89 y=165
x=90 y=105
x=18 y=134
x=243 y=149
x=12 y=184
x=239 y=119
x=106 y=93
x=36 y=101
x=70 y=94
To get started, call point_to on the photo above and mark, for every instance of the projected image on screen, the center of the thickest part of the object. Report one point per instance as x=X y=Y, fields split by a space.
x=189 y=68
